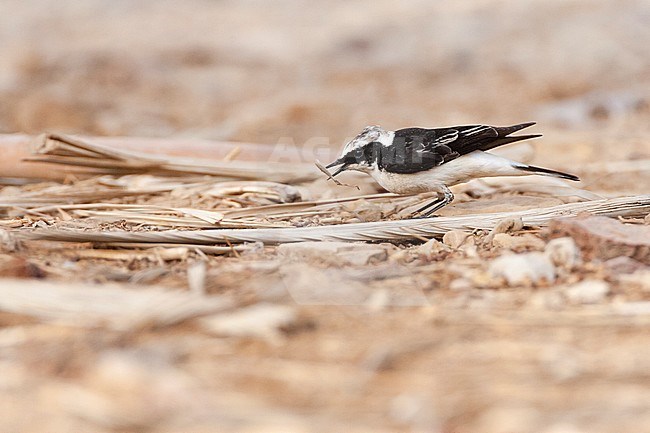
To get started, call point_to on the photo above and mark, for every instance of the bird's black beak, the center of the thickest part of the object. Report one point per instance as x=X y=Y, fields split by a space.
x=343 y=166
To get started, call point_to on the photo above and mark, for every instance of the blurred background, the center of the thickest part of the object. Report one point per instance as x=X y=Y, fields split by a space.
x=271 y=71
x=260 y=71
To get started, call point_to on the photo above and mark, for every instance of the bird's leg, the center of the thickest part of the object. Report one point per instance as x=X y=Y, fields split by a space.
x=428 y=205
x=436 y=204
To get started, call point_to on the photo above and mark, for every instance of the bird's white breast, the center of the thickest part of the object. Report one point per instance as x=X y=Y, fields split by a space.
x=459 y=170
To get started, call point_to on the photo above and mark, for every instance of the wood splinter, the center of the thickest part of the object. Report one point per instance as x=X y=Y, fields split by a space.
x=325 y=171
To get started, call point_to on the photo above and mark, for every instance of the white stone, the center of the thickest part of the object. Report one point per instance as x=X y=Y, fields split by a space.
x=8 y=242
x=507 y=225
x=431 y=248
x=521 y=268
x=640 y=279
x=378 y=300
x=455 y=238
x=260 y=320
x=563 y=252
x=460 y=285
x=587 y=292
x=527 y=240
x=639 y=308
x=196 y=273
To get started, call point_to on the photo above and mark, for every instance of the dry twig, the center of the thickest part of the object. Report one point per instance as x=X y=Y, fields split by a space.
x=94 y=158
x=329 y=175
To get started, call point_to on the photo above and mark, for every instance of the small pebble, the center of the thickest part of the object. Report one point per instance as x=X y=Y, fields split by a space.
x=563 y=252
x=587 y=292
x=460 y=285
x=521 y=268
x=507 y=225
x=432 y=248
x=623 y=265
x=639 y=280
x=261 y=320
x=455 y=238
x=529 y=241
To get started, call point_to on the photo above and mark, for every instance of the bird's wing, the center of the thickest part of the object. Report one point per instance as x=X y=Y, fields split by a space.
x=418 y=149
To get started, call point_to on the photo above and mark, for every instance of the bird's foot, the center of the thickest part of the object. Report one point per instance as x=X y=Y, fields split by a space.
x=427 y=210
x=424 y=216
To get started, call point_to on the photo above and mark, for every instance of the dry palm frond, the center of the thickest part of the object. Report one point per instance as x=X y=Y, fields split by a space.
x=289 y=209
x=374 y=231
x=47 y=198
x=269 y=216
x=162 y=254
x=151 y=252
x=277 y=192
x=207 y=249
x=163 y=216
x=94 y=158
x=92 y=190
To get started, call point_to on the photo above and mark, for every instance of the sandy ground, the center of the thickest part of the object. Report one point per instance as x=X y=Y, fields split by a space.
x=423 y=337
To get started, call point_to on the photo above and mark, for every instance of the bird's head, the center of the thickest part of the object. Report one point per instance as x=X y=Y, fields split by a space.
x=358 y=153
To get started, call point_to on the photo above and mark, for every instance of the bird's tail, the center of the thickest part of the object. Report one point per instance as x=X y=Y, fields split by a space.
x=546 y=172
x=503 y=131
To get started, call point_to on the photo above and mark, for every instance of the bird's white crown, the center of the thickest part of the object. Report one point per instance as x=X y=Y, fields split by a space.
x=368 y=135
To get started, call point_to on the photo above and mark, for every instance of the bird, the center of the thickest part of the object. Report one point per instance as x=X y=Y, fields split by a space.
x=416 y=160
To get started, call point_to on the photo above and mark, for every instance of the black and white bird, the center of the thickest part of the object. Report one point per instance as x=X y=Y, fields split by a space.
x=416 y=160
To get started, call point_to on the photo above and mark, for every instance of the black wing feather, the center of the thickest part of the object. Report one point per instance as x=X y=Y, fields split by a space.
x=418 y=149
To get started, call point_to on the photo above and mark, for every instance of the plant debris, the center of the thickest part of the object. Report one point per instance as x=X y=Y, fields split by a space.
x=329 y=175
